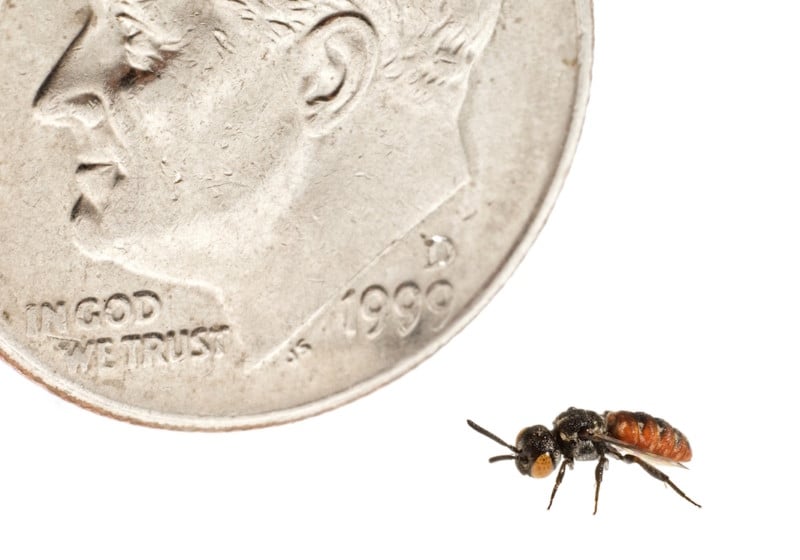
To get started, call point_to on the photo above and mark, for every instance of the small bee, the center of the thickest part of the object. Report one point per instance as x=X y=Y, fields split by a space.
x=583 y=435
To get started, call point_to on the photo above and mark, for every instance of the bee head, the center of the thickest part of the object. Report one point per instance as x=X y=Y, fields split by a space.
x=536 y=453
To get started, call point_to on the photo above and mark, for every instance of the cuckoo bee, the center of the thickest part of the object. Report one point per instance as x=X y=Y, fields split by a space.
x=583 y=435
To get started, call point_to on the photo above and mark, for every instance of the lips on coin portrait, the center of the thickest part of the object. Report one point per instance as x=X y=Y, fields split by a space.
x=224 y=214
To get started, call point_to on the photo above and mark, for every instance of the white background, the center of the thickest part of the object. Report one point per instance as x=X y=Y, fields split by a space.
x=666 y=280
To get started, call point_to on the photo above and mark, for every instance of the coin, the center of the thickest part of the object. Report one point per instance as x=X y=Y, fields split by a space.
x=221 y=215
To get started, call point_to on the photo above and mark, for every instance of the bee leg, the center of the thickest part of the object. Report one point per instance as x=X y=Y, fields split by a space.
x=559 y=478
x=602 y=464
x=654 y=472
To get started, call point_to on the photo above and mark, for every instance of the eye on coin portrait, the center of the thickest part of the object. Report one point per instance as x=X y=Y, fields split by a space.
x=275 y=207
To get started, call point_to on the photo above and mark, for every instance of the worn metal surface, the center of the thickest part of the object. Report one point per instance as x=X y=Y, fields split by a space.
x=220 y=215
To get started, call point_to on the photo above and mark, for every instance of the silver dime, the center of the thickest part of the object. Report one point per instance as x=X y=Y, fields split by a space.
x=223 y=214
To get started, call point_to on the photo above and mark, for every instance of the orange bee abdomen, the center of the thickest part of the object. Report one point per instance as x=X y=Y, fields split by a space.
x=650 y=434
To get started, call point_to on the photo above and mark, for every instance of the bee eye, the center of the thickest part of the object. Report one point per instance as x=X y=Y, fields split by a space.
x=543 y=466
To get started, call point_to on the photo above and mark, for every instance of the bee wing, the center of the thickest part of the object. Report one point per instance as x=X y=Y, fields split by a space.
x=646 y=455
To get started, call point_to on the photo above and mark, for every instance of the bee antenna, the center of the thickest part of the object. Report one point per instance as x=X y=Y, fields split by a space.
x=490 y=435
x=501 y=458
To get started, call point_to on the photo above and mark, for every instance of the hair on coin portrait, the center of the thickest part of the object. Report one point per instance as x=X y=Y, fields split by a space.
x=268 y=151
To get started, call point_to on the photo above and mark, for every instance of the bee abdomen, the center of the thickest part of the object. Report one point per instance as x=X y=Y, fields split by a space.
x=650 y=434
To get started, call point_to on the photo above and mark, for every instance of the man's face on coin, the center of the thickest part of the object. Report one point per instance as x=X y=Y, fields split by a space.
x=178 y=117
x=268 y=151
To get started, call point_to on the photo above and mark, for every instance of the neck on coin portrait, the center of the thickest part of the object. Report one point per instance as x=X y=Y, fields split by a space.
x=268 y=151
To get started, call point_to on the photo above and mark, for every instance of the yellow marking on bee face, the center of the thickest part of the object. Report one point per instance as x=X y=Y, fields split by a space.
x=542 y=466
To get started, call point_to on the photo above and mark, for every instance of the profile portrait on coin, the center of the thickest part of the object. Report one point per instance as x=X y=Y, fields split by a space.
x=265 y=150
